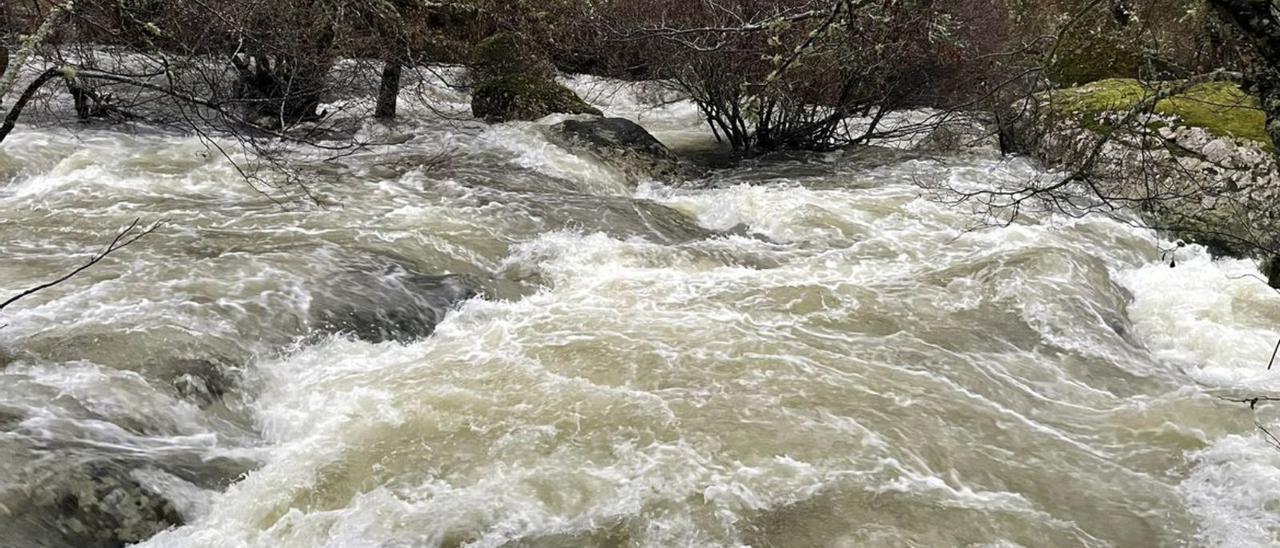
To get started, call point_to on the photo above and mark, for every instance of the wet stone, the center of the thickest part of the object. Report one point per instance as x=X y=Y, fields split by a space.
x=387 y=302
x=620 y=142
x=98 y=506
x=203 y=382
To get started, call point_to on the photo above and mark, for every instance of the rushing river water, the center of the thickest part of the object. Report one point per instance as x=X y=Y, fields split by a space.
x=797 y=352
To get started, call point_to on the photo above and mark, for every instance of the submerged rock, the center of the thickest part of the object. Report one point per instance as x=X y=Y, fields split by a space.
x=386 y=302
x=511 y=82
x=620 y=142
x=966 y=132
x=98 y=505
x=203 y=382
x=10 y=416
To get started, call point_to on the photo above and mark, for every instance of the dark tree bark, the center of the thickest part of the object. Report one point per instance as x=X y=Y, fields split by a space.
x=279 y=92
x=6 y=35
x=87 y=102
x=15 y=112
x=388 y=91
x=1121 y=12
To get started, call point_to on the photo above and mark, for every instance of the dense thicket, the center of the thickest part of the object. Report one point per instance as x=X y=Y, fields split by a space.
x=790 y=74
x=768 y=74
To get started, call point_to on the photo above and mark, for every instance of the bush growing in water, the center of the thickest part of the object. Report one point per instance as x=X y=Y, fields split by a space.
x=787 y=75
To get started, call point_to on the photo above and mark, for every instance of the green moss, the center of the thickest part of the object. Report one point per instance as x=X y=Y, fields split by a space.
x=506 y=54
x=1221 y=108
x=525 y=97
x=1092 y=58
x=513 y=81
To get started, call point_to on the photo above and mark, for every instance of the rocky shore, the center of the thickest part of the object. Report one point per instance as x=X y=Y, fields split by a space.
x=1197 y=164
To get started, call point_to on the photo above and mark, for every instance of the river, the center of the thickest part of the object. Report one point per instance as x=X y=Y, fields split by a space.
x=801 y=351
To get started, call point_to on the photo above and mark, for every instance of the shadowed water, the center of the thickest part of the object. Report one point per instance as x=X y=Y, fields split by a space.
x=521 y=348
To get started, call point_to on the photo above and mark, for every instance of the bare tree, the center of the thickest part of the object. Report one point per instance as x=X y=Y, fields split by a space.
x=254 y=80
x=791 y=75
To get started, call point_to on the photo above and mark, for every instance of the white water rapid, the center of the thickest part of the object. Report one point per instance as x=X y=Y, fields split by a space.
x=792 y=352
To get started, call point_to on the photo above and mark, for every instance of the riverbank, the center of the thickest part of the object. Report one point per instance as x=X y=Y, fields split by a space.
x=1197 y=164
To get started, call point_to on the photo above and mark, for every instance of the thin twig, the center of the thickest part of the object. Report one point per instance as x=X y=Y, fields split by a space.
x=1273 y=356
x=1271 y=438
x=129 y=235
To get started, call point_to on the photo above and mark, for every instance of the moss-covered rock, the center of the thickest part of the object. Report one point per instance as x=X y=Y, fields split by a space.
x=1199 y=166
x=525 y=97
x=1085 y=59
x=1220 y=108
x=511 y=81
x=503 y=55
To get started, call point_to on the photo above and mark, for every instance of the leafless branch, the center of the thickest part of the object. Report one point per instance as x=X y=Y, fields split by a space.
x=122 y=239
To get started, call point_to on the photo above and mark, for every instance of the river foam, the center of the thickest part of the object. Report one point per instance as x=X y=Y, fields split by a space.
x=803 y=351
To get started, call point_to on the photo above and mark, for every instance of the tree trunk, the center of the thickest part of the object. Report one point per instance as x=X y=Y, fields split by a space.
x=6 y=35
x=11 y=119
x=388 y=91
x=86 y=101
x=279 y=92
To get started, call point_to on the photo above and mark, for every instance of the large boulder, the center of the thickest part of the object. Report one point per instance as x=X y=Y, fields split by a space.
x=510 y=81
x=525 y=97
x=1199 y=165
x=619 y=142
x=203 y=382
x=378 y=301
